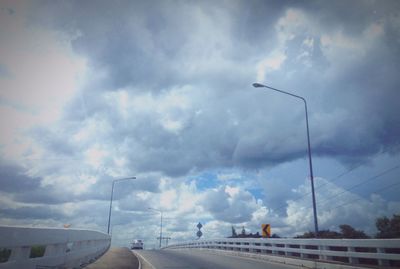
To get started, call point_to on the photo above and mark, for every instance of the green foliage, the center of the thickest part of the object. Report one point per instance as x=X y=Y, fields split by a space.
x=346 y=231
x=321 y=234
x=243 y=234
x=273 y=235
x=4 y=254
x=349 y=232
x=388 y=228
x=234 y=234
x=37 y=251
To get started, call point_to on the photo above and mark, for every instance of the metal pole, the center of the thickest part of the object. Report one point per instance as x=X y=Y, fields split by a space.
x=311 y=173
x=258 y=85
x=161 y=229
x=109 y=213
x=111 y=199
x=161 y=217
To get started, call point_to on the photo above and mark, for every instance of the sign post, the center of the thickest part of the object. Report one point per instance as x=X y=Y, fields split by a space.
x=199 y=233
x=266 y=230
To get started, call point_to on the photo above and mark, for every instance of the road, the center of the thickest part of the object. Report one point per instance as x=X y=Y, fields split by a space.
x=116 y=258
x=186 y=259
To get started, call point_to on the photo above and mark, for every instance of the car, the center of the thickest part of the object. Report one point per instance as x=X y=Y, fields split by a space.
x=137 y=244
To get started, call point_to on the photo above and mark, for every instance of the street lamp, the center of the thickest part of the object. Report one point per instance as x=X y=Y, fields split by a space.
x=258 y=85
x=111 y=199
x=161 y=213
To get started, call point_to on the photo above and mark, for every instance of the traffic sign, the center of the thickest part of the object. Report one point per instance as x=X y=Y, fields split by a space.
x=199 y=225
x=199 y=233
x=266 y=230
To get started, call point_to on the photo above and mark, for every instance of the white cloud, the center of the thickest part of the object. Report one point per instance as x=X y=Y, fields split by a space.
x=42 y=74
x=166 y=101
x=95 y=156
x=230 y=204
x=336 y=206
x=272 y=63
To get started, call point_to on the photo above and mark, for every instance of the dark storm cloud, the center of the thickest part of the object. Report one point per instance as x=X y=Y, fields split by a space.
x=32 y=212
x=152 y=45
x=352 y=17
x=167 y=91
x=368 y=90
x=28 y=189
x=155 y=46
x=56 y=142
x=131 y=41
x=14 y=180
x=43 y=195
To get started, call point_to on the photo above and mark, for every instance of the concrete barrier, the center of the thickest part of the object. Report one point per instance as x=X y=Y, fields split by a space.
x=26 y=248
x=307 y=252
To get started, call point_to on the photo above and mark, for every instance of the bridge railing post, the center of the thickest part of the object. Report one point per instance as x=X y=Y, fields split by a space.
x=323 y=249
x=382 y=262
x=352 y=260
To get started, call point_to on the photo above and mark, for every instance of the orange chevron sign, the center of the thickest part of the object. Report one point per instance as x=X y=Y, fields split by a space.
x=266 y=230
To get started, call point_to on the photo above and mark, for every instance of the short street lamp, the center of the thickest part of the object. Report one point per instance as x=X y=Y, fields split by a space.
x=258 y=85
x=161 y=213
x=111 y=199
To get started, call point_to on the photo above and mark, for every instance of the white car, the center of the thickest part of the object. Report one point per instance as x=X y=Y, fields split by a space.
x=137 y=244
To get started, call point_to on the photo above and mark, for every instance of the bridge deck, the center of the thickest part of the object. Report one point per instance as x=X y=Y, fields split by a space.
x=116 y=258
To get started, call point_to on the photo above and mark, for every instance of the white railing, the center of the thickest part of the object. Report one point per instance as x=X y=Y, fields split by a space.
x=308 y=252
x=26 y=248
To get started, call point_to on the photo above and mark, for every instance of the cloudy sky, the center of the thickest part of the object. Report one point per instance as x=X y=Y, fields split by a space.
x=95 y=91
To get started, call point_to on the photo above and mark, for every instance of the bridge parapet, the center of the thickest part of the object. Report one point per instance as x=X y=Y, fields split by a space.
x=27 y=248
x=368 y=252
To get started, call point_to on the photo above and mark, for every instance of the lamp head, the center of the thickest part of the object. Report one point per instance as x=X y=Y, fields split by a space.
x=258 y=85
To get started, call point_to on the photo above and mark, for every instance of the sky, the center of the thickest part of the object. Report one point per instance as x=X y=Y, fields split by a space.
x=95 y=91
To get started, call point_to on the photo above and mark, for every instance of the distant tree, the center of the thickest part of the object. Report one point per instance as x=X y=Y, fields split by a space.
x=4 y=254
x=329 y=234
x=243 y=234
x=388 y=228
x=306 y=235
x=275 y=236
x=243 y=231
x=346 y=231
x=234 y=234
x=321 y=234
x=251 y=235
x=349 y=232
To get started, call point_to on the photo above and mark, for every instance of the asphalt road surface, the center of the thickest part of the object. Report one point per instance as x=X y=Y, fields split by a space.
x=186 y=259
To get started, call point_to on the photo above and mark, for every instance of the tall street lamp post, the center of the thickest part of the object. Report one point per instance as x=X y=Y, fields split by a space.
x=111 y=199
x=161 y=213
x=258 y=85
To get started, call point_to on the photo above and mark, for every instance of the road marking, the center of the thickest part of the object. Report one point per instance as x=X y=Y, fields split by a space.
x=146 y=262
x=140 y=262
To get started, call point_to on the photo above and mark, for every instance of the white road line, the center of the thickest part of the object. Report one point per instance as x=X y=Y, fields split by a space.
x=140 y=257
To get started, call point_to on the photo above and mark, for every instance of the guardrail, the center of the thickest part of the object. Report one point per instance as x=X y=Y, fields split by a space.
x=359 y=252
x=26 y=248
